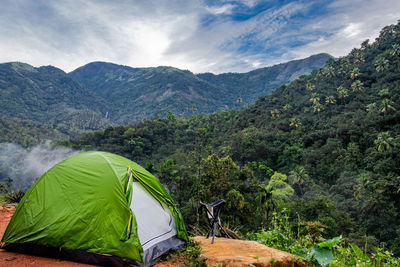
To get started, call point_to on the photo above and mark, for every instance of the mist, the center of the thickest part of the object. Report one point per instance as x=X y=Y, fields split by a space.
x=25 y=165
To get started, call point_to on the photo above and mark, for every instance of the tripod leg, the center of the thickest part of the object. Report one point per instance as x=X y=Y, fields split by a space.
x=215 y=228
x=223 y=230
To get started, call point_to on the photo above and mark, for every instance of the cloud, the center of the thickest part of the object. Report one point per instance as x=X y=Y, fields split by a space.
x=215 y=36
x=23 y=165
x=350 y=23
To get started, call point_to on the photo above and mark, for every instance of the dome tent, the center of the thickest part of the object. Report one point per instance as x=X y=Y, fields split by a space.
x=97 y=207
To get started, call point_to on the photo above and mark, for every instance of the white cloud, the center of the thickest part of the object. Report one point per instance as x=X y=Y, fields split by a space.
x=225 y=9
x=69 y=34
x=350 y=25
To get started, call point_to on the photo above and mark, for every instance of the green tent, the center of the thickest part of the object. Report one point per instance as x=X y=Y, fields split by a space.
x=100 y=208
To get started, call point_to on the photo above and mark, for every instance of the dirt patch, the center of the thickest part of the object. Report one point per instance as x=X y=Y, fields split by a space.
x=233 y=252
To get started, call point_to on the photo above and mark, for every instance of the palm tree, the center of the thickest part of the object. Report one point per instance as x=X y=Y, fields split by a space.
x=342 y=92
x=317 y=107
x=395 y=51
x=299 y=176
x=381 y=63
x=329 y=71
x=287 y=107
x=371 y=108
x=330 y=100
x=314 y=98
x=318 y=74
x=266 y=201
x=384 y=142
x=383 y=92
x=358 y=56
x=344 y=65
x=386 y=106
x=357 y=86
x=365 y=44
x=275 y=113
x=294 y=122
x=310 y=86
x=355 y=73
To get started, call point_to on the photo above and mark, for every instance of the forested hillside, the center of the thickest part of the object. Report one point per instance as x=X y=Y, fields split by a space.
x=249 y=86
x=55 y=104
x=46 y=101
x=136 y=93
x=326 y=147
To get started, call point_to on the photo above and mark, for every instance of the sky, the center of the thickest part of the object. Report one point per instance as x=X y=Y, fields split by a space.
x=200 y=36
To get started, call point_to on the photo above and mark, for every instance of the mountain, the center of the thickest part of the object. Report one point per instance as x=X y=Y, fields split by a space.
x=136 y=93
x=101 y=94
x=325 y=146
x=254 y=84
x=49 y=96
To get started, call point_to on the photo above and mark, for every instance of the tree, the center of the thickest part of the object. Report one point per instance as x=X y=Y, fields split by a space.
x=329 y=71
x=287 y=107
x=384 y=142
x=318 y=107
x=275 y=113
x=310 y=86
x=299 y=176
x=330 y=100
x=170 y=116
x=281 y=190
x=381 y=63
x=355 y=72
x=365 y=44
x=342 y=92
x=387 y=106
x=358 y=56
x=295 y=122
x=344 y=66
x=395 y=51
x=266 y=201
x=372 y=108
x=357 y=86
x=314 y=98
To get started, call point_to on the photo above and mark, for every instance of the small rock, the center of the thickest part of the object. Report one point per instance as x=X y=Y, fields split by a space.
x=10 y=258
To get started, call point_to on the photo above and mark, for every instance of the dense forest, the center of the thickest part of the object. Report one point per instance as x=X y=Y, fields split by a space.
x=46 y=103
x=325 y=149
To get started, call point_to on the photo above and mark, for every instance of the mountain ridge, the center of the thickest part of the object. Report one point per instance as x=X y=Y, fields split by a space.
x=209 y=92
x=101 y=94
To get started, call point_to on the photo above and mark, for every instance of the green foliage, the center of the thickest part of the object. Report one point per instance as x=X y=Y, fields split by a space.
x=189 y=255
x=282 y=190
x=323 y=256
x=14 y=196
x=319 y=251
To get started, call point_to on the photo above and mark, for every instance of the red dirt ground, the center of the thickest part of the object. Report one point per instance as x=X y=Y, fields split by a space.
x=229 y=252
x=241 y=253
